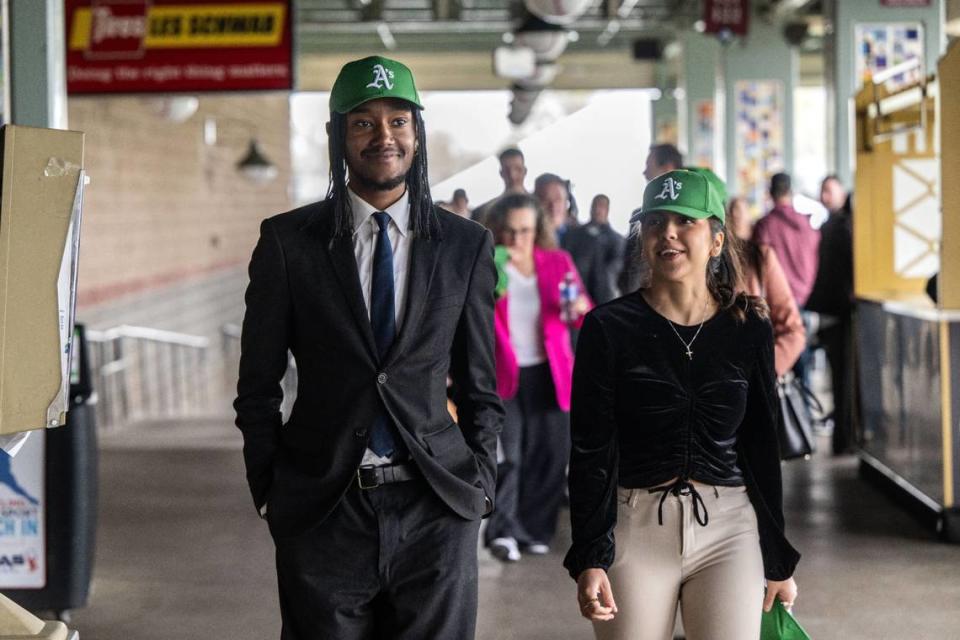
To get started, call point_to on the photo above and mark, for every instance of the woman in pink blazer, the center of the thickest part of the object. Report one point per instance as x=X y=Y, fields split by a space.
x=534 y=358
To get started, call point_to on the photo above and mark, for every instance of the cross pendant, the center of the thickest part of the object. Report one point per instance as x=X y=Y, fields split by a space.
x=689 y=353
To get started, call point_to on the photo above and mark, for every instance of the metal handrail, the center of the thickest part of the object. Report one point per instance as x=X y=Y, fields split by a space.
x=147 y=333
x=230 y=335
x=144 y=373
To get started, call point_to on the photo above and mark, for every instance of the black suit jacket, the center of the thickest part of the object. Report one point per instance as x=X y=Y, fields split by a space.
x=304 y=295
x=597 y=250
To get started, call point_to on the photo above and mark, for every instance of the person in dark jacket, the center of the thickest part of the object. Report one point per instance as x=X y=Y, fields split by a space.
x=832 y=298
x=597 y=251
x=675 y=486
x=372 y=493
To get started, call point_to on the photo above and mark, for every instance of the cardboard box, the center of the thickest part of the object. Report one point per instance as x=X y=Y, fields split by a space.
x=40 y=198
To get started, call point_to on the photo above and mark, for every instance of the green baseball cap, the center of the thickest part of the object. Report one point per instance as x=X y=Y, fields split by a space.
x=685 y=192
x=719 y=185
x=371 y=78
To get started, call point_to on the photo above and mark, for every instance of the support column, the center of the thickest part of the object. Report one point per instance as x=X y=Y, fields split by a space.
x=846 y=15
x=701 y=81
x=666 y=125
x=38 y=97
x=37 y=83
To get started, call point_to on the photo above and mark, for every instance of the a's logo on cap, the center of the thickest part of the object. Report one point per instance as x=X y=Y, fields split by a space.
x=671 y=189
x=381 y=78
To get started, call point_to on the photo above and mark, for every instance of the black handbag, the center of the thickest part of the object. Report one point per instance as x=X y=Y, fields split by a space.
x=795 y=429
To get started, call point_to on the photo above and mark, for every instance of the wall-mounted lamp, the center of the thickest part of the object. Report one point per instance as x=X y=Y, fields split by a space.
x=254 y=165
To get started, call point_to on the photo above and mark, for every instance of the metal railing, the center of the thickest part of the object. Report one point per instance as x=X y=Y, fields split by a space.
x=142 y=374
x=230 y=337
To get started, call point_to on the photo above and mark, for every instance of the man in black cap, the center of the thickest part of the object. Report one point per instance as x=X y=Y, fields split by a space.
x=373 y=494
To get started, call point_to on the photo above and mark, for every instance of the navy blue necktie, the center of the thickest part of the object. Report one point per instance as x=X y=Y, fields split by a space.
x=384 y=440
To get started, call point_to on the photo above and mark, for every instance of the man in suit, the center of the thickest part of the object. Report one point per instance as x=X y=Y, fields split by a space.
x=373 y=494
x=597 y=251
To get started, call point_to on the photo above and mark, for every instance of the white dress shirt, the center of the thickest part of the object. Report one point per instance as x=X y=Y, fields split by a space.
x=365 y=231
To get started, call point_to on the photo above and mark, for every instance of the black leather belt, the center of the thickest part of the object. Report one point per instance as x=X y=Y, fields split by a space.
x=370 y=477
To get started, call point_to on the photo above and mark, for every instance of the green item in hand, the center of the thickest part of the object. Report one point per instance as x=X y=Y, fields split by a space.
x=501 y=256
x=779 y=624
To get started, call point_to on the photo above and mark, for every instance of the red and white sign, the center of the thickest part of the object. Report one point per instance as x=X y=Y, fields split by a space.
x=169 y=46
x=732 y=16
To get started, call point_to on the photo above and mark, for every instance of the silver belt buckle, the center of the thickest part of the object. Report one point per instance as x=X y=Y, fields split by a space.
x=360 y=475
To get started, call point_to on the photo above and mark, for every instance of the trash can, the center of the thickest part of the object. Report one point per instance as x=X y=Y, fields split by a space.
x=70 y=507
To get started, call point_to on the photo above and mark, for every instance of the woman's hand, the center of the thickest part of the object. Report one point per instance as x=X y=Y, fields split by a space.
x=595 y=595
x=785 y=590
x=580 y=307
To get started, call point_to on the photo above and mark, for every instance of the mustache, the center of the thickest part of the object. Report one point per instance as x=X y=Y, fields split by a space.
x=381 y=149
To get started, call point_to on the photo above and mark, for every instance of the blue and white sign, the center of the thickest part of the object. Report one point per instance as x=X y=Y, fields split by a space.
x=22 y=539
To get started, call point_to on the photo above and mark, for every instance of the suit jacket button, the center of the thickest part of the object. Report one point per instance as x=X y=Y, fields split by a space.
x=360 y=433
x=382 y=378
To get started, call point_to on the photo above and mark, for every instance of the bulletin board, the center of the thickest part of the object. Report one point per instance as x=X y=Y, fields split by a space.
x=882 y=46
x=704 y=134
x=759 y=138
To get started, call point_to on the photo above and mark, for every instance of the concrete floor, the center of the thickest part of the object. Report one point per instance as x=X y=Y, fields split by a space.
x=182 y=555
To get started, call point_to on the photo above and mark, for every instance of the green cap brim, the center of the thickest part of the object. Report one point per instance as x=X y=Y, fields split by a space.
x=675 y=208
x=347 y=108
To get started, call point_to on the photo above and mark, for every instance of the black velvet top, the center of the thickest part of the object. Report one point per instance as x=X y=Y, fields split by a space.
x=644 y=413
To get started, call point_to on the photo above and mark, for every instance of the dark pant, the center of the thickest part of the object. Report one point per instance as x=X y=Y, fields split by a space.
x=392 y=562
x=504 y=522
x=545 y=452
x=801 y=368
x=837 y=343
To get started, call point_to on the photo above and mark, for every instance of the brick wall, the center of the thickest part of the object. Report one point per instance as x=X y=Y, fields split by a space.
x=163 y=208
x=169 y=224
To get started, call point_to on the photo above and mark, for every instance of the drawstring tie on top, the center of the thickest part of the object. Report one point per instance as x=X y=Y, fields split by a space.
x=682 y=488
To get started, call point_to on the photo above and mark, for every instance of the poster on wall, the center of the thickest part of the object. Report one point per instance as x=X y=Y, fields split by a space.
x=703 y=134
x=882 y=46
x=4 y=63
x=22 y=539
x=759 y=138
x=169 y=46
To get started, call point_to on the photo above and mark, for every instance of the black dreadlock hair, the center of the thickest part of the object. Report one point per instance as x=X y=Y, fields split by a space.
x=423 y=220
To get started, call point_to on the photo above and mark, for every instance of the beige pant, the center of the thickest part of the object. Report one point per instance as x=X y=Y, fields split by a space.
x=715 y=572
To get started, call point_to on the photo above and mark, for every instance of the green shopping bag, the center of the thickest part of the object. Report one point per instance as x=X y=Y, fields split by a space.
x=500 y=258
x=779 y=624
